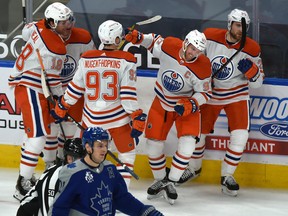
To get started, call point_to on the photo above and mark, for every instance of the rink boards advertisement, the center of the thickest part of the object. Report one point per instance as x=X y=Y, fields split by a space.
x=267 y=140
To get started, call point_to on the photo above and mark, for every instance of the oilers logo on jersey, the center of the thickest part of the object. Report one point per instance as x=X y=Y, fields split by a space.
x=226 y=72
x=69 y=66
x=172 y=81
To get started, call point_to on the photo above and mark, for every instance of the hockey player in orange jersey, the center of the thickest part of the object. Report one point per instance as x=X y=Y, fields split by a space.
x=107 y=78
x=231 y=93
x=182 y=86
x=48 y=37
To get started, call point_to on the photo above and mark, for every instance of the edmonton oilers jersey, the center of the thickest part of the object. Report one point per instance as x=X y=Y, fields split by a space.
x=230 y=85
x=79 y=42
x=177 y=78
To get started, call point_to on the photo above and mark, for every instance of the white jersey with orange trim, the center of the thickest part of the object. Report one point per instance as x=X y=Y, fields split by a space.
x=52 y=50
x=176 y=78
x=79 y=42
x=230 y=85
x=108 y=81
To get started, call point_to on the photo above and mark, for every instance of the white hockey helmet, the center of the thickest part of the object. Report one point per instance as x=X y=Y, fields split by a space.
x=109 y=30
x=195 y=38
x=58 y=12
x=236 y=16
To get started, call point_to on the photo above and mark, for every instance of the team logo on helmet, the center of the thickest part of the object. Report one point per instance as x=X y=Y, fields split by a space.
x=172 y=81
x=226 y=72
x=69 y=66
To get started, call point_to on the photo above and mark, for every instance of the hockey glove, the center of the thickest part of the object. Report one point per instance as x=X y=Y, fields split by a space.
x=133 y=36
x=60 y=110
x=186 y=106
x=249 y=69
x=149 y=210
x=138 y=123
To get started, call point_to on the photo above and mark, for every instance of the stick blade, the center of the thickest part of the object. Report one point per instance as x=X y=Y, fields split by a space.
x=150 y=20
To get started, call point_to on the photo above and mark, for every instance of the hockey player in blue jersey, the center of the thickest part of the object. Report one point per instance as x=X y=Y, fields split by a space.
x=93 y=186
x=39 y=199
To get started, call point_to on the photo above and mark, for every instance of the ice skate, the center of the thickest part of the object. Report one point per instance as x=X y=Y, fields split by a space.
x=22 y=187
x=156 y=190
x=188 y=175
x=170 y=192
x=229 y=185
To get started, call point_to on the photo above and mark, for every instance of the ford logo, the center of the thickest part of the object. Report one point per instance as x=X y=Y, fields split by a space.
x=275 y=130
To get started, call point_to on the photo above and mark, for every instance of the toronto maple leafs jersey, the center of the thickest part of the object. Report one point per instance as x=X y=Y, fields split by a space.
x=176 y=78
x=27 y=67
x=41 y=196
x=86 y=190
x=230 y=85
x=108 y=81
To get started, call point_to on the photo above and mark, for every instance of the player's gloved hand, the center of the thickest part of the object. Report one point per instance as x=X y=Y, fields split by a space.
x=133 y=36
x=60 y=110
x=249 y=69
x=185 y=106
x=149 y=210
x=138 y=123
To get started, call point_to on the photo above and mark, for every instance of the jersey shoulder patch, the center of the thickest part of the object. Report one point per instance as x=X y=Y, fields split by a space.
x=79 y=35
x=125 y=55
x=52 y=41
x=171 y=46
x=251 y=47
x=215 y=34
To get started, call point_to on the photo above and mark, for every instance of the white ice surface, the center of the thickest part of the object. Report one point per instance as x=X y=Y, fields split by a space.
x=193 y=199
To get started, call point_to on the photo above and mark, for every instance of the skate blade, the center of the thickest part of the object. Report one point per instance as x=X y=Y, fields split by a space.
x=160 y=194
x=18 y=196
x=228 y=192
x=170 y=201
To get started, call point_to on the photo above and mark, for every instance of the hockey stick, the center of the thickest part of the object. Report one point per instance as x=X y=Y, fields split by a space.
x=242 y=44
x=48 y=95
x=148 y=21
x=46 y=87
x=144 y=22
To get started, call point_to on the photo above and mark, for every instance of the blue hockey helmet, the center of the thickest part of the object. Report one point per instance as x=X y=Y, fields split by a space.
x=74 y=148
x=93 y=134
